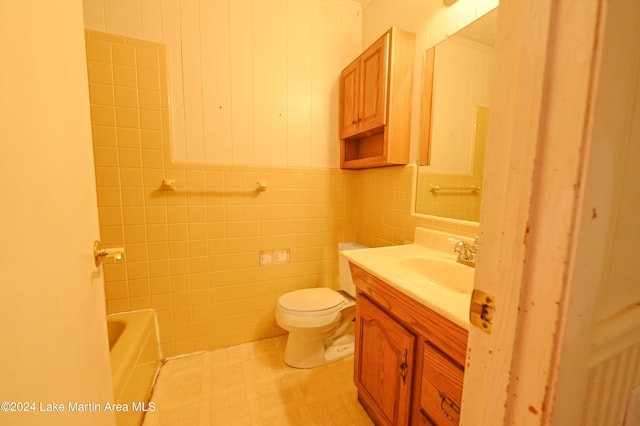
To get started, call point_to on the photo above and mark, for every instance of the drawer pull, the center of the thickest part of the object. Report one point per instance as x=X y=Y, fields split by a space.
x=449 y=408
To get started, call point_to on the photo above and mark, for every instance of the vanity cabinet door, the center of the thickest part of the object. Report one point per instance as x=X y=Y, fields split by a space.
x=383 y=364
x=349 y=99
x=440 y=391
x=363 y=90
x=374 y=72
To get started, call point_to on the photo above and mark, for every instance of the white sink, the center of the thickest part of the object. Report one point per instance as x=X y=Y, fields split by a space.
x=426 y=271
x=436 y=272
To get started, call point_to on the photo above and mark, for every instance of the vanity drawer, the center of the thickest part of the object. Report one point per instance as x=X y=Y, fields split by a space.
x=441 y=387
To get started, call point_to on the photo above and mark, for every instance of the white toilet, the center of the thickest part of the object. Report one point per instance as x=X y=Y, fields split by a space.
x=320 y=321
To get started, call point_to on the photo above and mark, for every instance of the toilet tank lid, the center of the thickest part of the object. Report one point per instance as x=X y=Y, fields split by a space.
x=350 y=246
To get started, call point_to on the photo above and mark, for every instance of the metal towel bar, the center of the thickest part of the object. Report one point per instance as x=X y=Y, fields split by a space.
x=438 y=188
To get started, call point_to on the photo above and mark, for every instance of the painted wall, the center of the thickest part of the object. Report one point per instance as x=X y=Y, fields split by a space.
x=252 y=82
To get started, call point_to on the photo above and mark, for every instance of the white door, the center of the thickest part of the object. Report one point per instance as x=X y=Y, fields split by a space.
x=53 y=338
x=546 y=63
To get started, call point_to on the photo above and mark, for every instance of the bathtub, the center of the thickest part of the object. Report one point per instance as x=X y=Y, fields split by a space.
x=135 y=360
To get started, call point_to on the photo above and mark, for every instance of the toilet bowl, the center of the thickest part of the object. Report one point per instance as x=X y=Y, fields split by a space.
x=320 y=321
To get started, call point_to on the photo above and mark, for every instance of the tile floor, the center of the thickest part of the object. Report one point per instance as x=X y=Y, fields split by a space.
x=249 y=384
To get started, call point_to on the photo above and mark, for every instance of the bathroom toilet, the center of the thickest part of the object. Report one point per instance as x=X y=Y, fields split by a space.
x=320 y=321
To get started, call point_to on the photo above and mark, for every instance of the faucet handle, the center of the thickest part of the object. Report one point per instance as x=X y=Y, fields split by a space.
x=458 y=244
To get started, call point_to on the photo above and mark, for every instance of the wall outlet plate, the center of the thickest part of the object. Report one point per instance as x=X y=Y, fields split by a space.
x=274 y=257
x=266 y=257
x=281 y=256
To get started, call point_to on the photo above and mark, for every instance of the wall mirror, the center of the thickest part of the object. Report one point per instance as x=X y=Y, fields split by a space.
x=457 y=77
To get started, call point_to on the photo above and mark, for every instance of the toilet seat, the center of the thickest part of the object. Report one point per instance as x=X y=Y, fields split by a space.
x=311 y=302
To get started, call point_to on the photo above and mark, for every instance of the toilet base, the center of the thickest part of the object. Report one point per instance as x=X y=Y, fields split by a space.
x=307 y=353
x=340 y=348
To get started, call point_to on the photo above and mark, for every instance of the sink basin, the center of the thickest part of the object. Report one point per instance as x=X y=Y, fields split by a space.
x=444 y=273
x=426 y=271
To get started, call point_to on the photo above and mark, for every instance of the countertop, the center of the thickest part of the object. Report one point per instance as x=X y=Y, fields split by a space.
x=448 y=303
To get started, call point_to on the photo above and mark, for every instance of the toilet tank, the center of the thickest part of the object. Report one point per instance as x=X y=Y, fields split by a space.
x=346 y=283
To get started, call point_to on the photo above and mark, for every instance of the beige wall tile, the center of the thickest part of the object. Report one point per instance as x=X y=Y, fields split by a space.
x=127 y=117
x=104 y=136
x=157 y=233
x=136 y=252
x=140 y=302
x=131 y=177
x=101 y=94
x=128 y=138
x=102 y=115
x=158 y=251
x=150 y=120
x=98 y=50
x=99 y=72
x=160 y=285
x=123 y=55
x=137 y=270
x=126 y=97
x=148 y=79
x=147 y=58
x=139 y=287
x=159 y=268
x=125 y=76
x=108 y=196
x=110 y=216
x=112 y=235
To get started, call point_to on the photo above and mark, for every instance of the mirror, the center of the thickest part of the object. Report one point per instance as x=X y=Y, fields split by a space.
x=457 y=77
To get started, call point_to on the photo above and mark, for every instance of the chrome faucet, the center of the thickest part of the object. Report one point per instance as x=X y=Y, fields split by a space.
x=467 y=252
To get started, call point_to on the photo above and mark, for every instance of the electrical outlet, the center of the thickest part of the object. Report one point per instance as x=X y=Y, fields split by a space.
x=266 y=257
x=281 y=256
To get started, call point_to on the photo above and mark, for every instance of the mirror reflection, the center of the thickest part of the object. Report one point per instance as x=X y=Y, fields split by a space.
x=457 y=78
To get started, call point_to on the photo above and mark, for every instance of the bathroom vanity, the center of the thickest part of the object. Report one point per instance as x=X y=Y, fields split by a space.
x=409 y=358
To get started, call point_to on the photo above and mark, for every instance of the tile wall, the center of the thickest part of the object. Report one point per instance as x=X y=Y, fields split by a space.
x=385 y=214
x=193 y=254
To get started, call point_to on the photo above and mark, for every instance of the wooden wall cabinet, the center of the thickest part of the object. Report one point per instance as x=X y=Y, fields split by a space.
x=409 y=360
x=375 y=103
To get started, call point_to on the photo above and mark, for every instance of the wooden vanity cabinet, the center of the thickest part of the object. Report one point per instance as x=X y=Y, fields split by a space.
x=409 y=360
x=385 y=348
x=375 y=103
